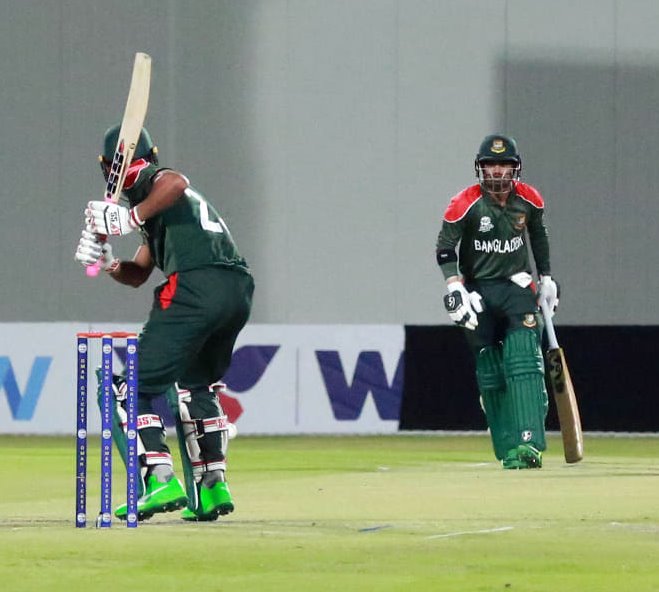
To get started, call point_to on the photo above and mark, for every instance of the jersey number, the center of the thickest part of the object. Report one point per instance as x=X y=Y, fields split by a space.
x=204 y=217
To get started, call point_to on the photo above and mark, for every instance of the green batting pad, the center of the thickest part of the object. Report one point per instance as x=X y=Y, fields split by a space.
x=524 y=371
x=496 y=402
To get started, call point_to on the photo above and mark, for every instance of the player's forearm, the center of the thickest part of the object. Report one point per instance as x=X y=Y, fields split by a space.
x=449 y=268
x=447 y=259
x=133 y=273
x=130 y=273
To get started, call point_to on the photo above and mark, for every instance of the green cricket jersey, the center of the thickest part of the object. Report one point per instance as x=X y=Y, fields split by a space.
x=491 y=239
x=188 y=235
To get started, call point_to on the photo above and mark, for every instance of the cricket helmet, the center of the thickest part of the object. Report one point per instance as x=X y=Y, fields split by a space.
x=498 y=149
x=145 y=147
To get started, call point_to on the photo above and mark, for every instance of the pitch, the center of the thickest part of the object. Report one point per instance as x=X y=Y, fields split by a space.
x=393 y=513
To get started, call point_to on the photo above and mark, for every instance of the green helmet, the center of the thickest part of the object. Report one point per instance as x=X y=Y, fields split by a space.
x=498 y=148
x=145 y=147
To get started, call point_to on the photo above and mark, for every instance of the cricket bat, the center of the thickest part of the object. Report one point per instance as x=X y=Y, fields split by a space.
x=129 y=134
x=564 y=395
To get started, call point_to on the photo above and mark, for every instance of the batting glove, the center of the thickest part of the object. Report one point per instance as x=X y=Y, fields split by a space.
x=463 y=306
x=92 y=249
x=548 y=293
x=111 y=219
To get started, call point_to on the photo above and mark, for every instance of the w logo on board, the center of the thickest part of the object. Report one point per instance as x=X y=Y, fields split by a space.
x=347 y=398
x=22 y=405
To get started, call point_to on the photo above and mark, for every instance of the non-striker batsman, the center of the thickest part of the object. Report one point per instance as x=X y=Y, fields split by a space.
x=483 y=252
x=186 y=344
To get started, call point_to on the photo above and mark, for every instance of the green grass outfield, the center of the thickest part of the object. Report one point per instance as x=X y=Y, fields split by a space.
x=406 y=513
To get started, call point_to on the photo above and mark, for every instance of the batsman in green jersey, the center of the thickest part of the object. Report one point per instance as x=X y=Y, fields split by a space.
x=483 y=252
x=186 y=344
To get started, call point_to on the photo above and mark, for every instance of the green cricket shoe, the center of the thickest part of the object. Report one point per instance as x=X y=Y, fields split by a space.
x=214 y=501
x=524 y=456
x=159 y=497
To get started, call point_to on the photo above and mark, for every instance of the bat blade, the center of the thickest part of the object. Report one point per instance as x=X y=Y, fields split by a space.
x=566 y=405
x=129 y=133
x=131 y=126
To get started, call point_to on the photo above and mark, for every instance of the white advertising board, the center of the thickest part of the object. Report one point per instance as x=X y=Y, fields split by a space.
x=284 y=379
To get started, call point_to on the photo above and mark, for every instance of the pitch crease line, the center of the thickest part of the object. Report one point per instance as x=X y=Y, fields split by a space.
x=463 y=532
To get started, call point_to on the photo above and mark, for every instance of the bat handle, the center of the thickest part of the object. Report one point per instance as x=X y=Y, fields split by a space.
x=549 y=326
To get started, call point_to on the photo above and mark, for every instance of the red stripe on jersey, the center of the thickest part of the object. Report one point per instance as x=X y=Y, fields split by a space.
x=167 y=293
x=461 y=203
x=530 y=194
x=134 y=170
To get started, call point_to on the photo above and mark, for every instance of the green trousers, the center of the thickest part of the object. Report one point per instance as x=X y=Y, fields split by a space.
x=192 y=328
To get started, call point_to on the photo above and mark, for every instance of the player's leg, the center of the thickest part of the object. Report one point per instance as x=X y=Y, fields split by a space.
x=159 y=490
x=206 y=430
x=495 y=402
x=494 y=399
x=525 y=382
x=163 y=491
x=201 y=409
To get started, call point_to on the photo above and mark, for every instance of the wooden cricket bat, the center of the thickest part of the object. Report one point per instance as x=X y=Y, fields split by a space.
x=564 y=395
x=129 y=134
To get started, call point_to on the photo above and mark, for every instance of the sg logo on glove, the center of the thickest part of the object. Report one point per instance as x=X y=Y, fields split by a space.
x=452 y=301
x=462 y=306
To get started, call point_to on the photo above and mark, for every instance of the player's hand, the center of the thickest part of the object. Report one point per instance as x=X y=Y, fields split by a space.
x=548 y=293
x=463 y=306
x=111 y=219
x=92 y=249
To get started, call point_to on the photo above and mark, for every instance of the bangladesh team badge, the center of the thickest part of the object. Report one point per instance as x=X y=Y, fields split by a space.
x=529 y=321
x=498 y=146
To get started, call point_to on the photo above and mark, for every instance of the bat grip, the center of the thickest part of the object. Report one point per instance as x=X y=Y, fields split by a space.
x=549 y=325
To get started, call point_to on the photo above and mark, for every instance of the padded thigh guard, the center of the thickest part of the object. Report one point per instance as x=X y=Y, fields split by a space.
x=495 y=399
x=524 y=371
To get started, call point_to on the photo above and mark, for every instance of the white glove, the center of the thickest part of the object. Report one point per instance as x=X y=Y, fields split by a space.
x=462 y=306
x=548 y=293
x=111 y=219
x=92 y=249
